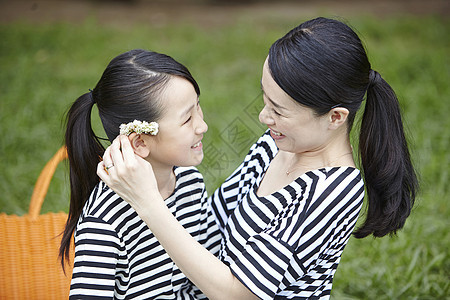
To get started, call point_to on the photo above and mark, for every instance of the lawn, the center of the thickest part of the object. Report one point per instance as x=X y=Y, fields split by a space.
x=45 y=67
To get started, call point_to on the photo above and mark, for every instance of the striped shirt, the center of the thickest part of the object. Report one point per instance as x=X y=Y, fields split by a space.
x=117 y=256
x=286 y=245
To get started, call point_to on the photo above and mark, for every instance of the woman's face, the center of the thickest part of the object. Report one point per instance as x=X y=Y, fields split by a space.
x=294 y=127
x=181 y=127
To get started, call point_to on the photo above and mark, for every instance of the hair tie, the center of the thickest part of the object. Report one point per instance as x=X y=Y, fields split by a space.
x=91 y=96
x=374 y=78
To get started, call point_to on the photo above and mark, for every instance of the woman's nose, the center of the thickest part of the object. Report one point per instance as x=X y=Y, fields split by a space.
x=265 y=118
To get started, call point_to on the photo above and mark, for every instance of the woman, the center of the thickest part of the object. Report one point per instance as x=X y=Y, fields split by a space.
x=153 y=100
x=288 y=211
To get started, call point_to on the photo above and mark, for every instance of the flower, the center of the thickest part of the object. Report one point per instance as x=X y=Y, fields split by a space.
x=139 y=127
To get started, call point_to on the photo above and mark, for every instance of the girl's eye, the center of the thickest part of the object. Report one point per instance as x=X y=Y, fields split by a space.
x=188 y=120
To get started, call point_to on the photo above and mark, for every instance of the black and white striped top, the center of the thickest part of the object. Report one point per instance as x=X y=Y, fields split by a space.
x=117 y=256
x=286 y=245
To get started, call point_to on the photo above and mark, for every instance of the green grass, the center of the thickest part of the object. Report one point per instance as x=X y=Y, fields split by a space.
x=44 y=68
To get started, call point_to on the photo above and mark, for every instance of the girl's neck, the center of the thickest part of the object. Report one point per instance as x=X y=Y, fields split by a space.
x=165 y=178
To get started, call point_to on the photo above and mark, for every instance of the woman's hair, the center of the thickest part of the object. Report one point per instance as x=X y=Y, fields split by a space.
x=322 y=64
x=129 y=89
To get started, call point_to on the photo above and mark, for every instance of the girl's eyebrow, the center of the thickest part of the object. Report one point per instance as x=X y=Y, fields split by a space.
x=271 y=101
x=186 y=111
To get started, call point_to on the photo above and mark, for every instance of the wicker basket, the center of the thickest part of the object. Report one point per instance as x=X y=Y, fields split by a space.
x=29 y=264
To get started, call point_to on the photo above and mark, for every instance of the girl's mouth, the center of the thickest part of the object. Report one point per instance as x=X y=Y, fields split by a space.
x=197 y=145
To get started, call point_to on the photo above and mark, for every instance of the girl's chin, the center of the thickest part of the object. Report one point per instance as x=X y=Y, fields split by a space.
x=194 y=161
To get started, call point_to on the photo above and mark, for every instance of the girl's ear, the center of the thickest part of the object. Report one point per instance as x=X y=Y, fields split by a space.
x=337 y=117
x=139 y=145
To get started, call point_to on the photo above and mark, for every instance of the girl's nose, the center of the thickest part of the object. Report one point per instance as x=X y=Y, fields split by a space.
x=201 y=127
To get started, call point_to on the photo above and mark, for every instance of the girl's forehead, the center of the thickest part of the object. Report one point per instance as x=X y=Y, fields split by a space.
x=178 y=98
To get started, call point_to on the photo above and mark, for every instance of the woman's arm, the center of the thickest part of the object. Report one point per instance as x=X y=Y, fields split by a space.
x=132 y=178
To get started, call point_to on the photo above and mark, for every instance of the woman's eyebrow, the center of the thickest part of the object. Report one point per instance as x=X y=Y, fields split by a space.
x=271 y=101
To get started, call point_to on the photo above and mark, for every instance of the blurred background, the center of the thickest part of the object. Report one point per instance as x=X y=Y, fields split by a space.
x=53 y=51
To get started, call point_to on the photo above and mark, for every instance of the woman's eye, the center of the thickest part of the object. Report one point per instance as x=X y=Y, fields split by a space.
x=277 y=113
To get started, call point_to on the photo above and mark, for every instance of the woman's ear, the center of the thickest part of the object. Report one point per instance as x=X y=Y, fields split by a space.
x=139 y=145
x=337 y=117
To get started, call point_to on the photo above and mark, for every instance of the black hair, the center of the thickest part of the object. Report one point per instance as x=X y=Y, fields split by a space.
x=322 y=64
x=129 y=89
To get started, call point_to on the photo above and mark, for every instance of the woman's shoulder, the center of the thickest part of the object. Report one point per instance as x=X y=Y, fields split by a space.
x=262 y=151
x=343 y=175
x=325 y=184
x=266 y=144
x=339 y=174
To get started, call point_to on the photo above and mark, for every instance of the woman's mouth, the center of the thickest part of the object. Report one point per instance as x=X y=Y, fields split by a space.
x=275 y=134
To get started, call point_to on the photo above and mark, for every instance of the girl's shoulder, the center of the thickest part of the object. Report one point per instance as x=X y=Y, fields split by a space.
x=184 y=174
x=104 y=204
x=183 y=171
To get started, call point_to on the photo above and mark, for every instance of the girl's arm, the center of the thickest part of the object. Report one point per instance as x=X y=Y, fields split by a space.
x=132 y=178
x=94 y=274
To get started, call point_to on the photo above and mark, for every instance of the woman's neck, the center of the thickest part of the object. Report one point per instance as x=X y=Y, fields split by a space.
x=331 y=155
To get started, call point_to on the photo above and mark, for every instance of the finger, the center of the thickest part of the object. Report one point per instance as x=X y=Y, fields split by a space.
x=116 y=153
x=107 y=159
x=102 y=173
x=127 y=149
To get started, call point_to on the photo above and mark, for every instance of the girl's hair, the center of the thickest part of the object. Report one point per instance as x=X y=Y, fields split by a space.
x=129 y=89
x=322 y=64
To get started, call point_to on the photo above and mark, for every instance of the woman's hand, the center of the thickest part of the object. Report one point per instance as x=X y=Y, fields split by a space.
x=132 y=178
x=129 y=175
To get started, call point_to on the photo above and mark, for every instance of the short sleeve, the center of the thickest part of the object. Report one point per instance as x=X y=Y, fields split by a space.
x=262 y=266
x=295 y=250
x=209 y=234
x=227 y=197
x=97 y=253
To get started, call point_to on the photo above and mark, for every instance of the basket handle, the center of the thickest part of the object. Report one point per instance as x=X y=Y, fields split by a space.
x=43 y=182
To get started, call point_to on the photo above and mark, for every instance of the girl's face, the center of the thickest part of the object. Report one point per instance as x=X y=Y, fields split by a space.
x=294 y=127
x=181 y=127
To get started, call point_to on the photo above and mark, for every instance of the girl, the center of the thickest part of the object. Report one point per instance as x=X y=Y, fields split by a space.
x=116 y=254
x=289 y=209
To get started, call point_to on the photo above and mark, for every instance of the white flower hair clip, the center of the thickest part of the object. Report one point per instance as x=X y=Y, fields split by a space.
x=139 y=127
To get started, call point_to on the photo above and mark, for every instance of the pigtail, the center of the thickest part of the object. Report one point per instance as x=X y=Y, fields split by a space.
x=127 y=90
x=389 y=175
x=84 y=152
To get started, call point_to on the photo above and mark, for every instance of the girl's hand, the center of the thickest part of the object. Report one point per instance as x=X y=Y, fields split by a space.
x=129 y=175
